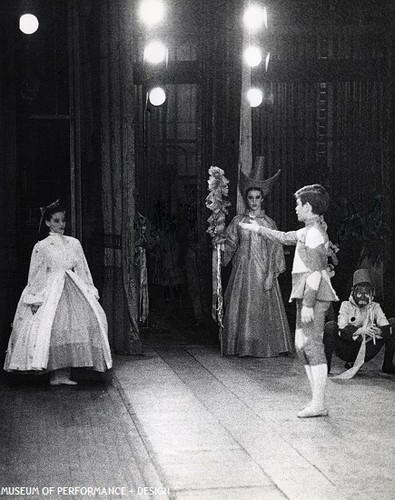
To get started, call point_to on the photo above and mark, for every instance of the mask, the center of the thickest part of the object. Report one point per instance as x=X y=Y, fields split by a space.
x=362 y=294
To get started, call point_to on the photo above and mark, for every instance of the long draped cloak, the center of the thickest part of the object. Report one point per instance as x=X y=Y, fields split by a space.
x=255 y=323
x=69 y=328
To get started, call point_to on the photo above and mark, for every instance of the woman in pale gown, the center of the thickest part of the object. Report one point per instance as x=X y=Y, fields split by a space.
x=59 y=323
x=255 y=323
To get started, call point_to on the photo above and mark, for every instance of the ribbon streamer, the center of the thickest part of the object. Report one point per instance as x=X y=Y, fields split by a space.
x=359 y=361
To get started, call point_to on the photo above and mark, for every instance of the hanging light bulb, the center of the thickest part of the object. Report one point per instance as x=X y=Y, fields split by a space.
x=28 y=24
x=155 y=52
x=157 y=96
x=252 y=56
x=254 y=97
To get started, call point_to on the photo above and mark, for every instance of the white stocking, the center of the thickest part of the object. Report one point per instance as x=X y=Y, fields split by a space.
x=319 y=375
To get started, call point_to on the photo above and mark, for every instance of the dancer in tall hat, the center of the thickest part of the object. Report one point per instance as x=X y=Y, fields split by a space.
x=59 y=323
x=255 y=323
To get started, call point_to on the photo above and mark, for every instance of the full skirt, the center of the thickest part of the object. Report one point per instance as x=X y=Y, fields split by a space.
x=255 y=323
x=68 y=330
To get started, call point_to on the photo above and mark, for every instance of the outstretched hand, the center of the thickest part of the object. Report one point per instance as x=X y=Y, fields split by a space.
x=252 y=226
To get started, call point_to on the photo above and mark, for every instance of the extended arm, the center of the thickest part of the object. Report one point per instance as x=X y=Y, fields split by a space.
x=285 y=238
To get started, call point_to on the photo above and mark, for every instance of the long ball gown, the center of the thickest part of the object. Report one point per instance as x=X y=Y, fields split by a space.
x=255 y=323
x=69 y=328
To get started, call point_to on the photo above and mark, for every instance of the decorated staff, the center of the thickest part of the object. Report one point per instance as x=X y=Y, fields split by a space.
x=215 y=201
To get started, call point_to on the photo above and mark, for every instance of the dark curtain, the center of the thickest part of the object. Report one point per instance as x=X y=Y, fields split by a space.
x=8 y=194
x=118 y=173
x=326 y=118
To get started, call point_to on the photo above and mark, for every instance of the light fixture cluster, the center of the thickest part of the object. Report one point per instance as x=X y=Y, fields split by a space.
x=152 y=13
x=255 y=19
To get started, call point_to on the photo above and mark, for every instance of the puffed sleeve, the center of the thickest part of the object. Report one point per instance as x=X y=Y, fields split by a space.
x=380 y=318
x=34 y=292
x=232 y=241
x=82 y=269
x=275 y=253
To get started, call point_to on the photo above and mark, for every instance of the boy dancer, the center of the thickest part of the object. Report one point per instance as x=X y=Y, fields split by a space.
x=311 y=287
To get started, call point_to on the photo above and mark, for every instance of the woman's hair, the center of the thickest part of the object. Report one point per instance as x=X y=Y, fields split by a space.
x=316 y=195
x=49 y=211
x=252 y=188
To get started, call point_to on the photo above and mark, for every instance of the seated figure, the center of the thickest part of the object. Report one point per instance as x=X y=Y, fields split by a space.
x=362 y=329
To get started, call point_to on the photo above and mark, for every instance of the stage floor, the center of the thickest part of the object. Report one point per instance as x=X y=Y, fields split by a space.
x=185 y=423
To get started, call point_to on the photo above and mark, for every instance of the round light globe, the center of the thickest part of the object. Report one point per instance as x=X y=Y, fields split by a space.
x=155 y=52
x=152 y=11
x=157 y=96
x=254 y=97
x=28 y=24
x=254 y=17
x=253 y=56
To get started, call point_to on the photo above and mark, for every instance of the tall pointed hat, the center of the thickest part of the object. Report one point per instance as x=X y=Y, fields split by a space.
x=256 y=180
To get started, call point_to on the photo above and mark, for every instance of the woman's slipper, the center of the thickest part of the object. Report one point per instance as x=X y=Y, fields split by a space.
x=310 y=412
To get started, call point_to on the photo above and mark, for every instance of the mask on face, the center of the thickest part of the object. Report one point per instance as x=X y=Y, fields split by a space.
x=362 y=294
